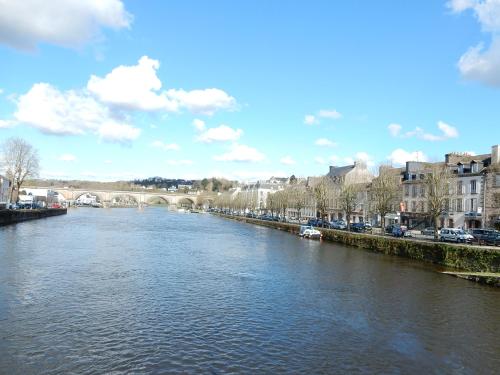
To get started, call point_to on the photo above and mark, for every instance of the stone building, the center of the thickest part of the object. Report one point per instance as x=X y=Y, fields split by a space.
x=473 y=196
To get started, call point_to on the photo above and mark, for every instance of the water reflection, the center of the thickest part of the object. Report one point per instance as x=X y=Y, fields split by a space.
x=120 y=290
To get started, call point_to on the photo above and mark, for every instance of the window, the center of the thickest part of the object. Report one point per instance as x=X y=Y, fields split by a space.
x=474 y=167
x=460 y=169
x=407 y=191
x=473 y=204
x=422 y=191
x=460 y=203
x=414 y=191
x=413 y=206
x=460 y=187
x=473 y=187
x=497 y=179
x=422 y=206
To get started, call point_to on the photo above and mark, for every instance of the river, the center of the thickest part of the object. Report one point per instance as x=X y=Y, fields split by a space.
x=126 y=291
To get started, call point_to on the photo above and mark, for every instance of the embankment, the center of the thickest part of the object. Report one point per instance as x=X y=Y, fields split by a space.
x=462 y=257
x=16 y=216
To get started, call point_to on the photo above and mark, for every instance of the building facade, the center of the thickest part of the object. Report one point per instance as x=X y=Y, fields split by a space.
x=473 y=200
x=5 y=185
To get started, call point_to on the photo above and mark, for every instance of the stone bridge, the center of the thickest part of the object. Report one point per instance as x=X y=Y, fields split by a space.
x=110 y=197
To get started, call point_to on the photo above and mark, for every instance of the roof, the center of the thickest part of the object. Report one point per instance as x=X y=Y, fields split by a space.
x=340 y=171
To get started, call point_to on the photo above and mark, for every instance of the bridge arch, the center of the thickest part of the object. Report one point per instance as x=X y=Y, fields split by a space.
x=123 y=200
x=158 y=200
x=87 y=198
x=186 y=203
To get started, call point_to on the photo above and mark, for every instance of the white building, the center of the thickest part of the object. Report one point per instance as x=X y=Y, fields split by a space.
x=4 y=191
x=86 y=200
x=257 y=192
x=44 y=197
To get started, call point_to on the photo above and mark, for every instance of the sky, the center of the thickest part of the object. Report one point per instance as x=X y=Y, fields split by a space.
x=117 y=90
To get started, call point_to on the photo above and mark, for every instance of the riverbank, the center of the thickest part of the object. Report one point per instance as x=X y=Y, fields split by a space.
x=16 y=216
x=461 y=257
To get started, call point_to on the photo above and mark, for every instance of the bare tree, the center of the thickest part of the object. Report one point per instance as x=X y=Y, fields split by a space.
x=20 y=161
x=385 y=192
x=298 y=197
x=347 y=197
x=271 y=203
x=282 y=201
x=437 y=187
x=322 y=189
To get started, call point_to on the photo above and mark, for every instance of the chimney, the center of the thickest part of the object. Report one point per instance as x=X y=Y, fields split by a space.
x=495 y=155
x=332 y=167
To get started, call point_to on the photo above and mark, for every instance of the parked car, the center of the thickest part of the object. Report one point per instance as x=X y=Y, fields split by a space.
x=493 y=239
x=399 y=231
x=389 y=228
x=429 y=231
x=358 y=227
x=455 y=235
x=480 y=235
x=338 y=224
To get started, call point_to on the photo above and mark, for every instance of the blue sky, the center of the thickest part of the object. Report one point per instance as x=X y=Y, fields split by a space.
x=246 y=90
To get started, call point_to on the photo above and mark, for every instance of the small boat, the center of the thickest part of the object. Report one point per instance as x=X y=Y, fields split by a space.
x=308 y=231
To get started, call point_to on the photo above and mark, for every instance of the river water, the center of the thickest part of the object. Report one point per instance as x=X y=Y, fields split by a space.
x=127 y=291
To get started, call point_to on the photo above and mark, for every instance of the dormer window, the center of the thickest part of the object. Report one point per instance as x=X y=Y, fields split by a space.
x=460 y=168
x=473 y=167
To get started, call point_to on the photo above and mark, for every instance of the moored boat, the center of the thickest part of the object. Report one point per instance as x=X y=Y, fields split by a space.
x=308 y=231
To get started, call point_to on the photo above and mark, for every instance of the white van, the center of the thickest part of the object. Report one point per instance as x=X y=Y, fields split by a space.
x=454 y=235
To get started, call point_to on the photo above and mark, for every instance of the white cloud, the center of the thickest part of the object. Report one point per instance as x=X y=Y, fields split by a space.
x=222 y=133
x=199 y=124
x=324 y=142
x=108 y=161
x=119 y=133
x=6 y=123
x=447 y=132
x=133 y=87
x=67 y=157
x=366 y=158
x=205 y=102
x=487 y=12
x=310 y=120
x=287 y=160
x=480 y=63
x=330 y=113
x=399 y=157
x=1 y=91
x=70 y=113
x=394 y=129
x=179 y=162
x=241 y=153
x=166 y=146
x=319 y=160
x=26 y=23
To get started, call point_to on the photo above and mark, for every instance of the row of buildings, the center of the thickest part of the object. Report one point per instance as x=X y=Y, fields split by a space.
x=473 y=200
